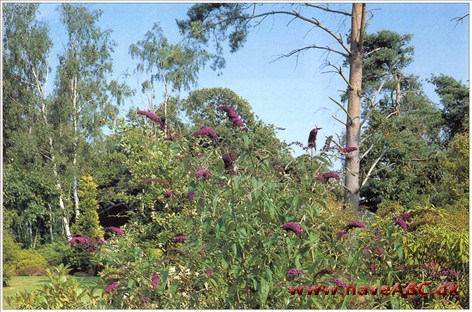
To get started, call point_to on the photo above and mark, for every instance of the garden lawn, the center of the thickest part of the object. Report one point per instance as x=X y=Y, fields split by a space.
x=29 y=283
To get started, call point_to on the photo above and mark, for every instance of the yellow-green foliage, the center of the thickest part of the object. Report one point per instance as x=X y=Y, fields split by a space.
x=62 y=292
x=11 y=250
x=455 y=184
x=30 y=263
x=87 y=222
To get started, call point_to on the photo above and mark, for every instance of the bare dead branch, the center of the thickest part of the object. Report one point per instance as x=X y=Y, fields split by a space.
x=459 y=19
x=342 y=122
x=327 y=9
x=374 y=102
x=367 y=152
x=296 y=51
x=339 y=71
x=343 y=108
x=372 y=168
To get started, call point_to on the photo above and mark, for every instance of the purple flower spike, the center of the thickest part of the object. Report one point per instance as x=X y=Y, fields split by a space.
x=180 y=238
x=312 y=138
x=450 y=273
x=331 y=174
x=81 y=240
x=204 y=174
x=348 y=149
x=111 y=287
x=406 y=216
x=372 y=268
x=357 y=224
x=339 y=282
x=168 y=194
x=402 y=224
x=191 y=195
x=145 y=299
x=205 y=131
x=232 y=115
x=294 y=272
x=340 y=234
x=155 y=280
x=115 y=230
x=209 y=272
x=228 y=160
x=153 y=117
x=292 y=227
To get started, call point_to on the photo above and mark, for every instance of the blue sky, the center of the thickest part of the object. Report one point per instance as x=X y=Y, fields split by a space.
x=288 y=93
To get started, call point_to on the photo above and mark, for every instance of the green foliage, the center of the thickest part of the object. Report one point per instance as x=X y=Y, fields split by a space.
x=453 y=192
x=455 y=100
x=54 y=253
x=431 y=247
x=168 y=63
x=63 y=292
x=11 y=249
x=409 y=166
x=87 y=222
x=201 y=108
x=30 y=263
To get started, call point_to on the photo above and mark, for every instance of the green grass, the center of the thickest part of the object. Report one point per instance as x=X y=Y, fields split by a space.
x=29 y=283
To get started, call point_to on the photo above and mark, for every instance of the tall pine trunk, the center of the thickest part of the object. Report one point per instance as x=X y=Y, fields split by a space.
x=353 y=124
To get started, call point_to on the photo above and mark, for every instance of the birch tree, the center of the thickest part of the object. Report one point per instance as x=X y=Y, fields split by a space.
x=83 y=103
x=28 y=137
x=174 y=65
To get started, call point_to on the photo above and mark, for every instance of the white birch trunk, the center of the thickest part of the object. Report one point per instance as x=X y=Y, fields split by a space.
x=75 y=146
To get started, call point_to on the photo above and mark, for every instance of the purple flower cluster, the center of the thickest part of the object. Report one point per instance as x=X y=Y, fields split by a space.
x=294 y=272
x=209 y=272
x=180 y=238
x=204 y=174
x=232 y=115
x=372 y=268
x=450 y=273
x=348 y=149
x=155 y=280
x=327 y=144
x=402 y=224
x=340 y=283
x=312 y=138
x=153 y=117
x=292 y=227
x=81 y=240
x=145 y=299
x=229 y=159
x=85 y=242
x=115 y=230
x=356 y=224
x=353 y=225
x=340 y=234
x=205 y=131
x=324 y=177
x=168 y=194
x=111 y=287
x=406 y=216
x=190 y=195
x=323 y=271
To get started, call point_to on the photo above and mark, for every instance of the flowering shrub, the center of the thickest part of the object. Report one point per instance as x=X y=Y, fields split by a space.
x=203 y=235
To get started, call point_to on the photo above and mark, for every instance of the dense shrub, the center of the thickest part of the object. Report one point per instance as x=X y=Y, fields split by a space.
x=62 y=292
x=55 y=253
x=11 y=250
x=217 y=229
x=30 y=263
